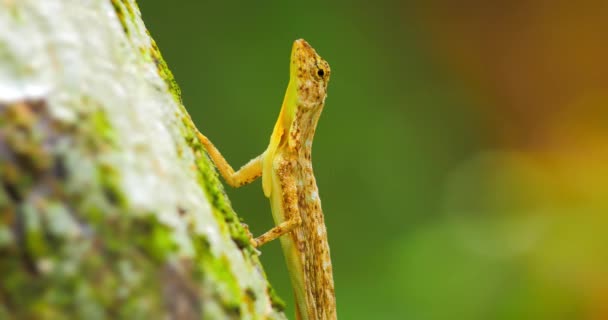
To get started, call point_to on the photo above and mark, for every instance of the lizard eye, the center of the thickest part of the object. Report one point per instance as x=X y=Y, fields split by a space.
x=321 y=73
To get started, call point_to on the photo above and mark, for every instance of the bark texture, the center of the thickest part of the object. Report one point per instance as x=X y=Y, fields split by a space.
x=109 y=207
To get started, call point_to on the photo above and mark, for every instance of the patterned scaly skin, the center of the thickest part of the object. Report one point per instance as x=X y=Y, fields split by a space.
x=288 y=180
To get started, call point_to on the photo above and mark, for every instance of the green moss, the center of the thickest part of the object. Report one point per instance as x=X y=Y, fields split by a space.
x=65 y=249
x=34 y=233
x=209 y=180
x=275 y=300
x=101 y=125
x=218 y=269
x=109 y=180
x=153 y=238
x=165 y=73
x=100 y=137
x=130 y=9
x=24 y=138
x=126 y=11
x=120 y=13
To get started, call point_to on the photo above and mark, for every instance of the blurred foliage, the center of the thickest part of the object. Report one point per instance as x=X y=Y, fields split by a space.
x=461 y=158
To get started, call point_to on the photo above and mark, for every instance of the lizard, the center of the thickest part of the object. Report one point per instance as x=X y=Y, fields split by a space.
x=289 y=182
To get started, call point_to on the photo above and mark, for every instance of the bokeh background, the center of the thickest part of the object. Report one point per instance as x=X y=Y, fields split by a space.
x=462 y=157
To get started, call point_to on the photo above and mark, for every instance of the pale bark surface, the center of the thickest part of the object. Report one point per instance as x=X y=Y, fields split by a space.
x=108 y=206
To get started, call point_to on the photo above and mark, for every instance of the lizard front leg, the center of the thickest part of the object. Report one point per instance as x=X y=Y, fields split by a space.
x=245 y=175
x=249 y=173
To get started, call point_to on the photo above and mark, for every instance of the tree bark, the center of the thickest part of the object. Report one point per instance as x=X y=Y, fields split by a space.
x=109 y=207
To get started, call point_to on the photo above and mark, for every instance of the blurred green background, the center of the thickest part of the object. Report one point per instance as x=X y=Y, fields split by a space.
x=462 y=156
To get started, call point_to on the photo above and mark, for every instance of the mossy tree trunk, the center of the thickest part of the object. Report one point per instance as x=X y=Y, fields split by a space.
x=109 y=207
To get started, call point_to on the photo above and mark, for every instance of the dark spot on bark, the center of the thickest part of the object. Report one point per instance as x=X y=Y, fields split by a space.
x=234 y=311
x=59 y=168
x=12 y=191
x=111 y=195
x=249 y=292
x=241 y=243
x=28 y=261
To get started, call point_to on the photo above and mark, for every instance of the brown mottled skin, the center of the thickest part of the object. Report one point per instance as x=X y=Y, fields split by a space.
x=289 y=182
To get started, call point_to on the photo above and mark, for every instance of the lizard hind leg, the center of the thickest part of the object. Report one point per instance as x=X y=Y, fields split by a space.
x=288 y=212
x=277 y=231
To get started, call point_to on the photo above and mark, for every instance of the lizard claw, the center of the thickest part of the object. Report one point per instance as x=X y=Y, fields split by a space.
x=252 y=240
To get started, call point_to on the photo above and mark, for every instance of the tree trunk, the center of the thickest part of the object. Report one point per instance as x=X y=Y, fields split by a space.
x=109 y=207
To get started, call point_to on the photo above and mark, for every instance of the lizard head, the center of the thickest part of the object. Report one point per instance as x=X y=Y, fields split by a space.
x=302 y=105
x=310 y=73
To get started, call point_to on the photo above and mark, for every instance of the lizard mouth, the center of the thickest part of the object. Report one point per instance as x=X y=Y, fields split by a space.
x=301 y=53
